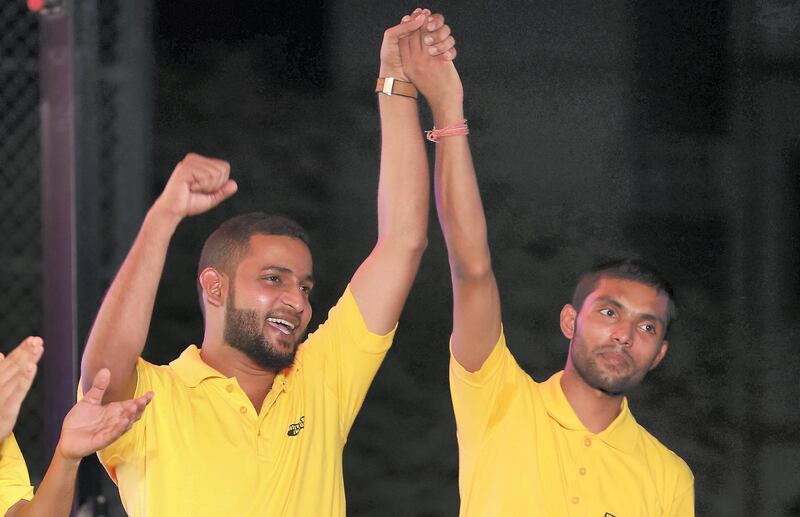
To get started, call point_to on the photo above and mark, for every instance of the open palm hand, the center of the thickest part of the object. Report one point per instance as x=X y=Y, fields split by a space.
x=17 y=371
x=90 y=426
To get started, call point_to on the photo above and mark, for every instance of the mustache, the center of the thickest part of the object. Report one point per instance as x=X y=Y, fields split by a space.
x=618 y=349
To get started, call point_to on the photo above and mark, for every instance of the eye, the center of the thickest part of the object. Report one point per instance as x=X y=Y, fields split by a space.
x=306 y=289
x=271 y=278
x=607 y=312
x=649 y=328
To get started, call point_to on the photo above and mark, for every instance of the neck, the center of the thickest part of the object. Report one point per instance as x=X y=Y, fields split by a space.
x=255 y=381
x=595 y=409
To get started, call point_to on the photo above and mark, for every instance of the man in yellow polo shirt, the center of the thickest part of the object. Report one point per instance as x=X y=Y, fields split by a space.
x=255 y=420
x=567 y=446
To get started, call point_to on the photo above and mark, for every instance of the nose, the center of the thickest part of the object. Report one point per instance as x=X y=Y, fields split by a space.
x=294 y=298
x=622 y=334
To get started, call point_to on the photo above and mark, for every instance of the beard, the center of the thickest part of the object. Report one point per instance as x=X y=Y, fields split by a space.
x=600 y=377
x=244 y=332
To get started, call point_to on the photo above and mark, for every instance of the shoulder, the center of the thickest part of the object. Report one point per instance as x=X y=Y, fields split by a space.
x=187 y=369
x=674 y=466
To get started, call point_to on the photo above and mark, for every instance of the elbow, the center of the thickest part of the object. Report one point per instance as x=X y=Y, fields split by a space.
x=472 y=270
x=412 y=246
x=417 y=246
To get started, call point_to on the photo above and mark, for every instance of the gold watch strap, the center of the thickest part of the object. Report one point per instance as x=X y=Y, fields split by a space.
x=392 y=86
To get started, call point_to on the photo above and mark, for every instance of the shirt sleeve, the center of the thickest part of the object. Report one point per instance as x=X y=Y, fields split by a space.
x=478 y=396
x=132 y=443
x=349 y=355
x=682 y=504
x=14 y=482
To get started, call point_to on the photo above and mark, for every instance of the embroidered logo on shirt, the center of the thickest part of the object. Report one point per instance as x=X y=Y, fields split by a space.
x=294 y=429
x=609 y=515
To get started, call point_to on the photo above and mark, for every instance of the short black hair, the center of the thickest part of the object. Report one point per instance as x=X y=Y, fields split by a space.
x=226 y=246
x=626 y=269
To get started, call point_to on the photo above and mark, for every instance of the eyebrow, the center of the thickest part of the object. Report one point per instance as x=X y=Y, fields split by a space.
x=282 y=269
x=613 y=301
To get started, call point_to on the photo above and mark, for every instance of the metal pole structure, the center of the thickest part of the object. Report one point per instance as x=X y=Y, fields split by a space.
x=68 y=61
x=58 y=218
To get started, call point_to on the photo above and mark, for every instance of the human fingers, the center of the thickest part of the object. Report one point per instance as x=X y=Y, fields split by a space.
x=29 y=349
x=434 y=22
x=131 y=410
x=204 y=174
x=218 y=172
x=198 y=172
x=139 y=406
x=98 y=389
x=442 y=46
x=21 y=362
x=406 y=26
x=439 y=38
x=413 y=14
x=12 y=392
x=441 y=32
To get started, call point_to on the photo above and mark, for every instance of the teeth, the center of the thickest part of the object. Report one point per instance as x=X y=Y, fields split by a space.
x=280 y=321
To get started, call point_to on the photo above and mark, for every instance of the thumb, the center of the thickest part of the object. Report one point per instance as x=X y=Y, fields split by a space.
x=101 y=380
x=227 y=190
x=407 y=26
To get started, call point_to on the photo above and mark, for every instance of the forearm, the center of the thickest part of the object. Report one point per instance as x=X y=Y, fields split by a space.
x=458 y=200
x=403 y=189
x=476 y=301
x=382 y=282
x=120 y=329
x=55 y=494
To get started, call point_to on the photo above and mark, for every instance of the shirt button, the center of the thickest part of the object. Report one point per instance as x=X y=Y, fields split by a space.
x=243 y=410
x=588 y=442
x=229 y=388
x=582 y=471
x=575 y=499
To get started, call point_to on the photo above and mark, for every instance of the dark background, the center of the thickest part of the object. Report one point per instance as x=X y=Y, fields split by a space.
x=667 y=131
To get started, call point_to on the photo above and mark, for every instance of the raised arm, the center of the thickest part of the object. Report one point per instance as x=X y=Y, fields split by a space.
x=88 y=427
x=120 y=329
x=382 y=282
x=476 y=301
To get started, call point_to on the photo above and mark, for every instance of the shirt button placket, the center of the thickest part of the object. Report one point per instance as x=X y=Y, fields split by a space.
x=587 y=442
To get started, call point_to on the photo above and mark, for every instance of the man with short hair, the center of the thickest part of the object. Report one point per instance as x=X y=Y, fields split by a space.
x=87 y=427
x=254 y=422
x=569 y=445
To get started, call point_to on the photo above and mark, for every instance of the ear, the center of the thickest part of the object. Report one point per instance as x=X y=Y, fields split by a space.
x=213 y=283
x=660 y=355
x=567 y=320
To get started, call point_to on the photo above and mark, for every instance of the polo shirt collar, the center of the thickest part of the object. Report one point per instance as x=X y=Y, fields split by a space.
x=620 y=434
x=190 y=368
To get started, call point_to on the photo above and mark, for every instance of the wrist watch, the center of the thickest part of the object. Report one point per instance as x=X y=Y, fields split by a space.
x=392 y=86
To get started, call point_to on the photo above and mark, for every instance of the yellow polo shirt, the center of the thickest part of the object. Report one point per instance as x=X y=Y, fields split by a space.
x=14 y=482
x=523 y=451
x=201 y=448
